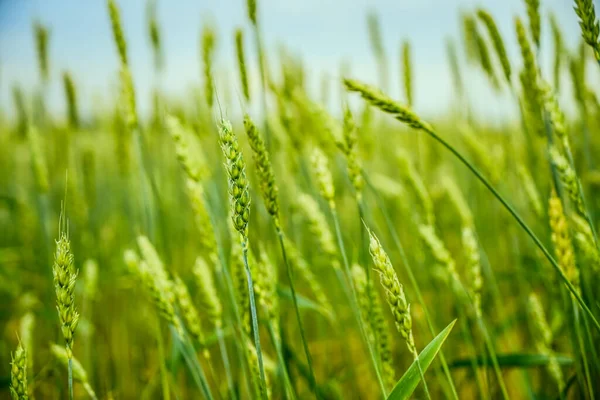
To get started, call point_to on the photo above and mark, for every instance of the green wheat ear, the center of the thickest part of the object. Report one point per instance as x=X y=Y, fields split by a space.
x=241 y=58
x=71 y=96
x=588 y=23
x=42 y=36
x=497 y=41
x=208 y=49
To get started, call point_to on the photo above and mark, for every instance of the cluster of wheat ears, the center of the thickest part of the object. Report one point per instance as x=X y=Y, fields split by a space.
x=298 y=253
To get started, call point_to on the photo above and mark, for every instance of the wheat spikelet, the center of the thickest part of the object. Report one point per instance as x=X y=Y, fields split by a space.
x=348 y=146
x=207 y=293
x=529 y=62
x=117 y=30
x=479 y=49
x=559 y=49
x=555 y=114
x=265 y=288
x=266 y=176
x=18 y=374
x=497 y=41
x=323 y=176
x=239 y=196
x=473 y=260
x=438 y=250
x=127 y=100
x=561 y=239
x=71 y=96
x=584 y=238
x=65 y=275
x=208 y=49
x=406 y=62
x=188 y=311
x=568 y=179
x=241 y=58
x=38 y=160
x=206 y=233
x=193 y=166
x=238 y=273
x=319 y=228
x=533 y=14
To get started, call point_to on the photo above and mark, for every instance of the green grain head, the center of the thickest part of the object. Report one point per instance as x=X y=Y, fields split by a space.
x=71 y=96
x=42 y=36
x=18 y=374
x=241 y=59
x=208 y=50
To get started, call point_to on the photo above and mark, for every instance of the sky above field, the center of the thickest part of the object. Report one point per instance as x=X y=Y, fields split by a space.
x=323 y=32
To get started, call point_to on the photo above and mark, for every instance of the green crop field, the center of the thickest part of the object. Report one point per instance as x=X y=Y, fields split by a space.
x=262 y=245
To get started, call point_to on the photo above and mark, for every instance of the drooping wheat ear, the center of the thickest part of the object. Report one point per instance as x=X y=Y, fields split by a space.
x=559 y=50
x=533 y=14
x=568 y=178
x=394 y=292
x=117 y=30
x=127 y=99
x=349 y=146
x=379 y=100
x=90 y=279
x=438 y=250
x=161 y=293
x=207 y=293
x=41 y=41
x=473 y=261
x=71 y=96
x=370 y=306
x=320 y=165
x=561 y=239
x=251 y=8
x=458 y=200
x=193 y=166
x=479 y=46
x=79 y=373
x=38 y=160
x=65 y=275
x=408 y=79
x=254 y=370
x=319 y=228
x=301 y=266
x=241 y=58
x=410 y=174
x=26 y=330
x=590 y=29
x=239 y=196
x=532 y=111
x=208 y=49
x=531 y=191
x=18 y=374
x=542 y=335
x=264 y=169
x=206 y=232
x=188 y=311
x=497 y=41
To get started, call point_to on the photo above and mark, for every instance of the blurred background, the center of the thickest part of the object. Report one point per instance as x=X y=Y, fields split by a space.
x=326 y=34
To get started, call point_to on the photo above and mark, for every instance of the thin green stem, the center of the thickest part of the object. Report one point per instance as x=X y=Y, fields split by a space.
x=288 y=268
x=521 y=222
x=70 y=378
x=255 y=332
x=354 y=299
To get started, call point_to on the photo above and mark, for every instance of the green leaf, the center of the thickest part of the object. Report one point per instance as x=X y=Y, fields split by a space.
x=516 y=360
x=303 y=302
x=410 y=380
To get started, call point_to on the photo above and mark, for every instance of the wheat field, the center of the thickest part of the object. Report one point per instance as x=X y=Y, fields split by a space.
x=249 y=241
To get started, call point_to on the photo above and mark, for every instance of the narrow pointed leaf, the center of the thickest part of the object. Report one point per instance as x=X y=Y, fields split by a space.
x=516 y=360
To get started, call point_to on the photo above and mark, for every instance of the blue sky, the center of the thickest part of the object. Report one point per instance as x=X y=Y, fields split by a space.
x=323 y=32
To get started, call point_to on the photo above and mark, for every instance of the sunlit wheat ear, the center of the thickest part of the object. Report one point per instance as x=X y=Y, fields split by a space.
x=561 y=239
x=208 y=49
x=410 y=174
x=241 y=59
x=264 y=169
x=349 y=146
x=497 y=41
x=408 y=78
x=79 y=373
x=370 y=306
x=478 y=50
x=41 y=41
x=239 y=196
x=71 y=96
x=117 y=29
x=379 y=100
x=533 y=14
x=319 y=228
x=473 y=260
x=542 y=335
x=394 y=292
x=568 y=178
x=530 y=68
x=65 y=275
x=439 y=252
x=188 y=311
x=555 y=113
x=320 y=165
x=207 y=292
x=589 y=24
x=18 y=374
x=531 y=191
